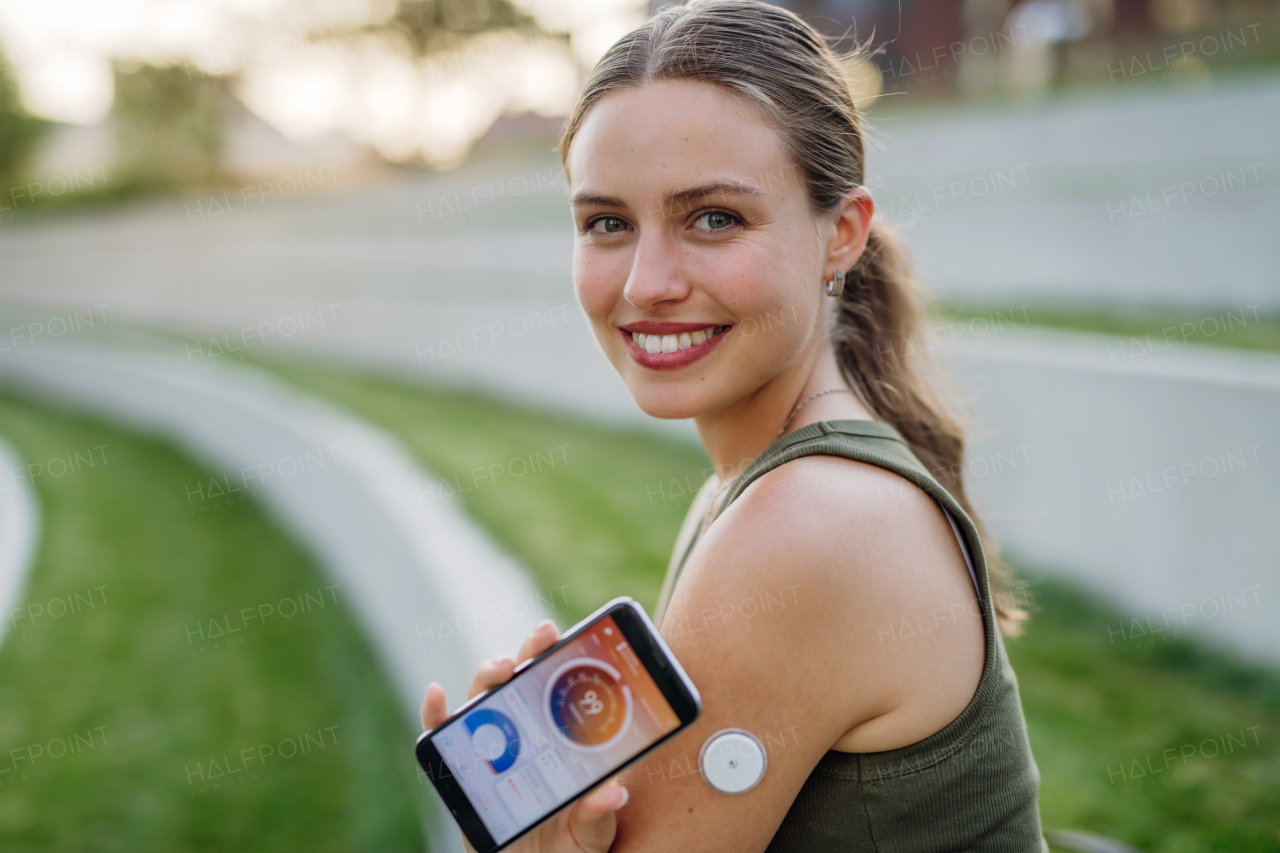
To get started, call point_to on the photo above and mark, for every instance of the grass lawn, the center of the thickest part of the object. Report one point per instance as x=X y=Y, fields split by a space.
x=1236 y=328
x=1100 y=717
x=141 y=709
x=601 y=523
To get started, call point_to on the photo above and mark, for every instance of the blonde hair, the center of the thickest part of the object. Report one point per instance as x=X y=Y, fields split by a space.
x=772 y=59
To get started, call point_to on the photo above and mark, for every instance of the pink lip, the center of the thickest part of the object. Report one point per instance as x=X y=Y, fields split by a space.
x=668 y=360
x=654 y=327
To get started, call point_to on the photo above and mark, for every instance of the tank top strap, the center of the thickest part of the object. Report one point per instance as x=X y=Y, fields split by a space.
x=875 y=443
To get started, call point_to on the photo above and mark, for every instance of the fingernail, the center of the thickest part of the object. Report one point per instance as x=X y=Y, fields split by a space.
x=626 y=795
x=544 y=623
x=503 y=659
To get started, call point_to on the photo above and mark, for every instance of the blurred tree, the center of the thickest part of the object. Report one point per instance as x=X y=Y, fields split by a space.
x=19 y=130
x=430 y=25
x=168 y=126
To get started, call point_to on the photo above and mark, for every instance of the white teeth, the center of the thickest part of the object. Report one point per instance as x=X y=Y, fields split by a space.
x=674 y=343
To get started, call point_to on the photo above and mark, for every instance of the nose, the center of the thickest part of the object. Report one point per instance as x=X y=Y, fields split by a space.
x=657 y=275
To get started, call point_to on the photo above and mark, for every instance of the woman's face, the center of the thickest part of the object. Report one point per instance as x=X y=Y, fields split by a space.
x=697 y=259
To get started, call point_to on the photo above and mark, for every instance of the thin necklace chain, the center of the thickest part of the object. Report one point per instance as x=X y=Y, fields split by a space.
x=715 y=499
x=801 y=404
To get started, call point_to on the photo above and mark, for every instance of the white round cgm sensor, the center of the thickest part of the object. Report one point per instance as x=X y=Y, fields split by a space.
x=732 y=761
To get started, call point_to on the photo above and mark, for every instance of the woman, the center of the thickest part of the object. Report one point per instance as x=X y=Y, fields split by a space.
x=839 y=606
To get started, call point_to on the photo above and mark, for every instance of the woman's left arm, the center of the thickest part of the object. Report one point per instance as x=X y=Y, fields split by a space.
x=774 y=622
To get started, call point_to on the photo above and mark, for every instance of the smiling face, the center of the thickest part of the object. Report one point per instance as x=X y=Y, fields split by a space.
x=697 y=258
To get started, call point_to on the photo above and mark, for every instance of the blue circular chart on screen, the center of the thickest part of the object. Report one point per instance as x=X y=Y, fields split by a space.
x=496 y=736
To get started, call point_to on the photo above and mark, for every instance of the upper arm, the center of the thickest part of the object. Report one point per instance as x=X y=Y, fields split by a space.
x=688 y=529
x=742 y=641
x=775 y=620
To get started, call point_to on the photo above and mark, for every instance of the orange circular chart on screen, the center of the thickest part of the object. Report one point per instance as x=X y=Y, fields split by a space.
x=588 y=704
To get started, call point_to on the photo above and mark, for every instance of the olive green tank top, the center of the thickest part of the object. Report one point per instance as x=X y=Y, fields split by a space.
x=970 y=786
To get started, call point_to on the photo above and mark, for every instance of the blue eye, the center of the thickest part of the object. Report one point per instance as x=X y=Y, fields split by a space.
x=716 y=220
x=612 y=225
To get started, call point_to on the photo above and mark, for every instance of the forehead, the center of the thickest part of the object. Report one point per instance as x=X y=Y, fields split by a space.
x=671 y=131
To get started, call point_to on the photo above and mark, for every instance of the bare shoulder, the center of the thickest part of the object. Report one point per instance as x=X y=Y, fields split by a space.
x=888 y=595
x=848 y=528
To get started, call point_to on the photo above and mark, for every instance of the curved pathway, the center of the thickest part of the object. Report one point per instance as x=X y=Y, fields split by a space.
x=19 y=527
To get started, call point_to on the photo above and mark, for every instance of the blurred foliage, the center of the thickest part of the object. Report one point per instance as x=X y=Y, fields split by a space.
x=158 y=701
x=603 y=525
x=19 y=130
x=430 y=25
x=169 y=122
x=168 y=126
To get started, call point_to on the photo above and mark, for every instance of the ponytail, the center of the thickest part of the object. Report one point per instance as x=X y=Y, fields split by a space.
x=875 y=332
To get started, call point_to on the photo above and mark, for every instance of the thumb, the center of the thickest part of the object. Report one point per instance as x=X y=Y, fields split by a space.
x=592 y=821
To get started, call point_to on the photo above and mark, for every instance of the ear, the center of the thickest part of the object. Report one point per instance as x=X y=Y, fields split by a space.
x=847 y=237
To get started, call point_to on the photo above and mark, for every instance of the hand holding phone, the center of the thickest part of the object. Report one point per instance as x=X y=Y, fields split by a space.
x=528 y=760
x=589 y=824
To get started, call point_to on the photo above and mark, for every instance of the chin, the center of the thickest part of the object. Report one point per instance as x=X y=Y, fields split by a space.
x=669 y=403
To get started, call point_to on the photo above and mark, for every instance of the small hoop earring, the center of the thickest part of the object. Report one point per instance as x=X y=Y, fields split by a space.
x=836 y=286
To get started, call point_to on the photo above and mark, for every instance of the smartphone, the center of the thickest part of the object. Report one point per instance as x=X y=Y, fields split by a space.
x=599 y=699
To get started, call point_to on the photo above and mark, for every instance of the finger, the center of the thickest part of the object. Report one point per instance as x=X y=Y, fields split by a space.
x=593 y=821
x=543 y=637
x=490 y=674
x=434 y=708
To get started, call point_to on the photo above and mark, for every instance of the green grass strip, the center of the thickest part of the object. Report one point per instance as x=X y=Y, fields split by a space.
x=1146 y=332
x=180 y=727
x=601 y=522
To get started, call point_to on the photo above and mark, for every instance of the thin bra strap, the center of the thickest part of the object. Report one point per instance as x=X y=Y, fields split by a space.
x=964 y=549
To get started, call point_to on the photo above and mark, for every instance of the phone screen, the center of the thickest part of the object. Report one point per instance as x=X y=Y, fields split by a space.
x=554 y=730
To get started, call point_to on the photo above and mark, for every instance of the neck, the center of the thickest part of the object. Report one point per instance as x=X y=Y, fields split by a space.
x=737 y=434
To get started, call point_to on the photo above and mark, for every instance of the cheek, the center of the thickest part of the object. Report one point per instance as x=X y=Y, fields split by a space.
x=777 y=329
x=766 y=293
x=597 y=286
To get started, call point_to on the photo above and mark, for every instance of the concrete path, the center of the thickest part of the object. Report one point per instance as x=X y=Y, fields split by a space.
x=1134 y=194
x=1147 y=471
x=19 y=534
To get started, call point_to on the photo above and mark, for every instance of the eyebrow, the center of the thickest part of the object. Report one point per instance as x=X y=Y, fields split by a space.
x=679 y=198
x=596 y=200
